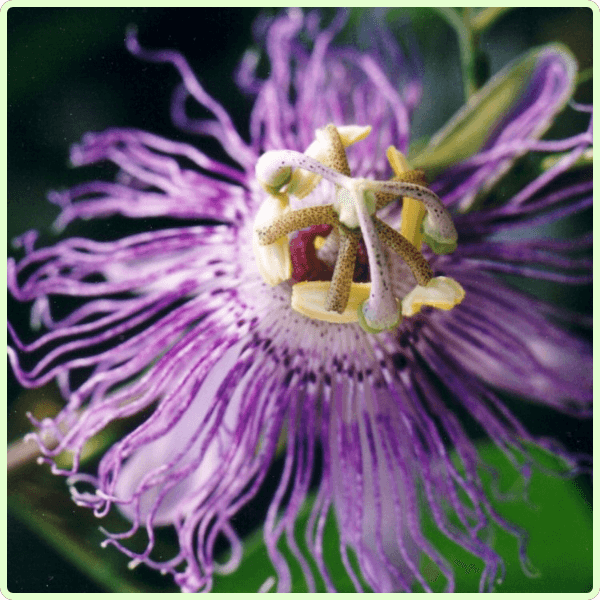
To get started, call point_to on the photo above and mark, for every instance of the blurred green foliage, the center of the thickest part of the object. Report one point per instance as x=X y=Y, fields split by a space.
x=555 y=512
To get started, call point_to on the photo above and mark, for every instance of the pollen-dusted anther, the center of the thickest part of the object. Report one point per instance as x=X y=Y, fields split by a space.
x=412 y=257
x=341 y=282
x=438 y=228
x=336 y=154
x=296 y=220
x=328 y=148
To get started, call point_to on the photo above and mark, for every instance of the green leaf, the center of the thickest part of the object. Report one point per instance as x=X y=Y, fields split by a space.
x=469 y=129
x=557 y=517
x=256 y=566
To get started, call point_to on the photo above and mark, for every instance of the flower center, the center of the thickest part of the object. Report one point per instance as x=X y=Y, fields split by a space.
x=351 y=222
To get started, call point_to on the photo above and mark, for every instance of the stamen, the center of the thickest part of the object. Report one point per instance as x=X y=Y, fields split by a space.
x=412 y=257
x=352 y=216
x=335 y=157
x=329 y=149
x=309 y=299
x=441 y=292
x=438 y=229
x=341 y=282
x=296 y=220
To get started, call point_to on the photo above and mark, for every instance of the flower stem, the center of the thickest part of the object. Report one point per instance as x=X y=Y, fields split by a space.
x=20 y=453
x=471 y=58
x=486 y=18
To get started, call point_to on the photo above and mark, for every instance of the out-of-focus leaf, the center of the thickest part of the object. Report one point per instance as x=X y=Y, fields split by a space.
x=585 y=76
x=42 y=502
x=557 y=518
x=470 y=128
x=256 y=567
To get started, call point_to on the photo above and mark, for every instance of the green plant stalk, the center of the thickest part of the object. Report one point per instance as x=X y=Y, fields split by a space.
x=467 y=42
x=486 y=18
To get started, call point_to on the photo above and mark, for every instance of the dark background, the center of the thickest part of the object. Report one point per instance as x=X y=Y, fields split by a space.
x=69 y=73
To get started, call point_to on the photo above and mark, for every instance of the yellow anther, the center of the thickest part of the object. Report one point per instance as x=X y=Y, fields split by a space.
x=309 y=299
x=397 y=160
x=441 y=292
